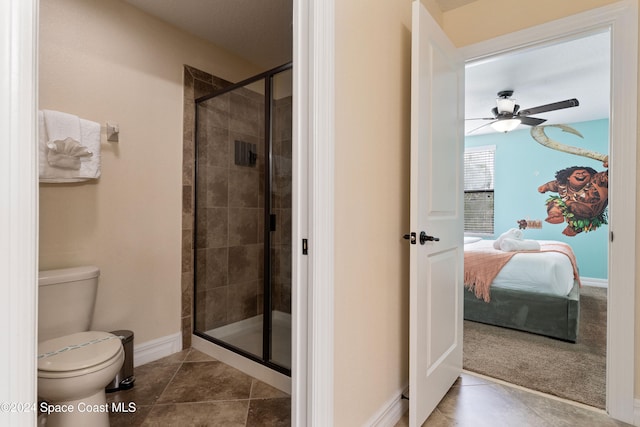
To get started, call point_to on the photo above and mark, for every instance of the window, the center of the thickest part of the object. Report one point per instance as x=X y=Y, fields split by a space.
x=478 y=189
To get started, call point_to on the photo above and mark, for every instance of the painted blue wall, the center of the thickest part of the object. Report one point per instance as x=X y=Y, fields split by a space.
x=522 y=165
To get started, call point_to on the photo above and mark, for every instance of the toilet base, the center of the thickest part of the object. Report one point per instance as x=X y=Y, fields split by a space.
x=88 y=411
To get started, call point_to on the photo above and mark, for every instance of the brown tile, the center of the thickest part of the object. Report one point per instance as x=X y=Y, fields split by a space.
x=260 y=390
x=135 y=417
x=217 y=143
x=216 y=111
x=243 y=301
x=187 y=330
x=189 y=120
x=211 y=307
x=202 y=88
x=269 y=412
x=201 y=222
x=187 y=253
x=187 y=207
x=187 y=295
x=215 y=414
x=243 y=226
x=206 y=381
x=151 y=380
x=244 y=263
x=245 y=115
x=557 y=413
x=436 y=419
x=217 y=270
x=188 y=83
x=487 y=405
x=216 y=187
x=244 y=185
x=175 y=358
x=198 y=356
x=217 y=224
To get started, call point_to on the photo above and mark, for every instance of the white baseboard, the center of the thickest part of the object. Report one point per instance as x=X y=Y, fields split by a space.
x=592 y=281
x=156 y=349
x=391 y=412
x=636 y=412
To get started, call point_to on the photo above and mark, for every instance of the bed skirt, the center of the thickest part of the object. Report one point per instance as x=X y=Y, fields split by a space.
x=542 y=314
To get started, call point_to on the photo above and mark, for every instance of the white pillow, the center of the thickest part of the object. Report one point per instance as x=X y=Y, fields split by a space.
x=470 y=239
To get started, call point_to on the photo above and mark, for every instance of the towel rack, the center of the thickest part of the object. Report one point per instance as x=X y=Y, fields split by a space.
x=113 y=132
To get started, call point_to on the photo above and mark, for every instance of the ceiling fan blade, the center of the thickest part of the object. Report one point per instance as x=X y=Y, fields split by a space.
x=531 y=121
x=482 y=118
x=480 y=127
x=550 y=107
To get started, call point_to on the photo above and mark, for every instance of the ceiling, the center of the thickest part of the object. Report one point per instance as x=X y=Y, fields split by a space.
x=578 y=68
x=261 y=32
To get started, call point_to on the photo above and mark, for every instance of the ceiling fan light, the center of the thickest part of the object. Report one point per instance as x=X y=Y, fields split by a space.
x=505 y=125
x=505 y=105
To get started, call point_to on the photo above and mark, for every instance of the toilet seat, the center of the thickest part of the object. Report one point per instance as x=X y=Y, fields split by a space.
x=78 y=354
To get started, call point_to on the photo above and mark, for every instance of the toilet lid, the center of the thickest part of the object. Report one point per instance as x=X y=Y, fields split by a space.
x=77 y=351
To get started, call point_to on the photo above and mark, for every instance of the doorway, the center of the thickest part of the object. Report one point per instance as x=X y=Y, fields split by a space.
x=622 y=127
x=579 y=369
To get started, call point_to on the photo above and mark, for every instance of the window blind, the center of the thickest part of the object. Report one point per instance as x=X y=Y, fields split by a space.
x=479 y=190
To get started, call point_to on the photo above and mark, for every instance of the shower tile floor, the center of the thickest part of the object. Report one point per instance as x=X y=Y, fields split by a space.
x=247 y=335
x=190 y=388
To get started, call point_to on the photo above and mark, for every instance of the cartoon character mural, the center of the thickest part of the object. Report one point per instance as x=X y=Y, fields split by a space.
x=583 y=193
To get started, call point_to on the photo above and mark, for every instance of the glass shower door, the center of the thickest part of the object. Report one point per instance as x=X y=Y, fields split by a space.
x=242 y=270
x=281 y=181
x=229 y=225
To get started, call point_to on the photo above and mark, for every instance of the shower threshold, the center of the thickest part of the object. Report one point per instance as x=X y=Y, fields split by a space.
x=247 y=335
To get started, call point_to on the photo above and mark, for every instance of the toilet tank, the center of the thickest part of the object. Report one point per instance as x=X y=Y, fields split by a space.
x=66 y=298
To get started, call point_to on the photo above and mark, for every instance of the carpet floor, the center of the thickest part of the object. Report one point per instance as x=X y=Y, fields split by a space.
x=572 y=371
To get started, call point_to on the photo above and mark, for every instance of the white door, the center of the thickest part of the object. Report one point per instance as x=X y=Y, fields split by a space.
x=436 y=266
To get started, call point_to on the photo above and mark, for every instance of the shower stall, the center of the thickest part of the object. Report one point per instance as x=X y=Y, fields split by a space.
x=242 y=228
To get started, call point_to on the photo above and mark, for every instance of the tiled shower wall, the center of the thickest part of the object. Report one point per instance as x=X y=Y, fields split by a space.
x=230 y=207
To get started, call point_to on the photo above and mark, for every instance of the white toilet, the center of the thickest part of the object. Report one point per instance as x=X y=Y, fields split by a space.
x=74 y=364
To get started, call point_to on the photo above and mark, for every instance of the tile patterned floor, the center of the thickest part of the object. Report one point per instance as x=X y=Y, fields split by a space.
x=192 y=389
x=478 y=402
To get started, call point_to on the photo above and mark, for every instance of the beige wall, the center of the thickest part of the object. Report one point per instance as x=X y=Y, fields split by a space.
x=372 y=182
x=486 y=19
x=373 y=70
x=106 y=61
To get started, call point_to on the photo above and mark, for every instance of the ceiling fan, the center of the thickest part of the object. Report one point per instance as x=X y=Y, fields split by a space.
x=507 y=114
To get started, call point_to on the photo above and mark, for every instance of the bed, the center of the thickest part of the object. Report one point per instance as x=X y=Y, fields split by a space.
x=535 y=291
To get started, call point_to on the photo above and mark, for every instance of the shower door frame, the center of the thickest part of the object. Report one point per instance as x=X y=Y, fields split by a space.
x=267 y=324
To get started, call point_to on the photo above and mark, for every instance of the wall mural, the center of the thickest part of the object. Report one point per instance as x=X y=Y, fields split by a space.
x=582 y=192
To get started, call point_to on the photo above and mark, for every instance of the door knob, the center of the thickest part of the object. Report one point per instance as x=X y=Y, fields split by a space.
x=411 y=237
x=425 y=238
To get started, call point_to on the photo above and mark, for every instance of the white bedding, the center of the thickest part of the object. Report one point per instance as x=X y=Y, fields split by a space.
x=542 y=272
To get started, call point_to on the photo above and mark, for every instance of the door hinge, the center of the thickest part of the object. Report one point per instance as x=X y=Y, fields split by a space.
x=611 y=236
x=305 y=247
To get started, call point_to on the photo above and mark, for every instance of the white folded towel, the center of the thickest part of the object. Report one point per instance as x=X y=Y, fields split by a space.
x=512 y=233
x=69 y=147
x=511 y=245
